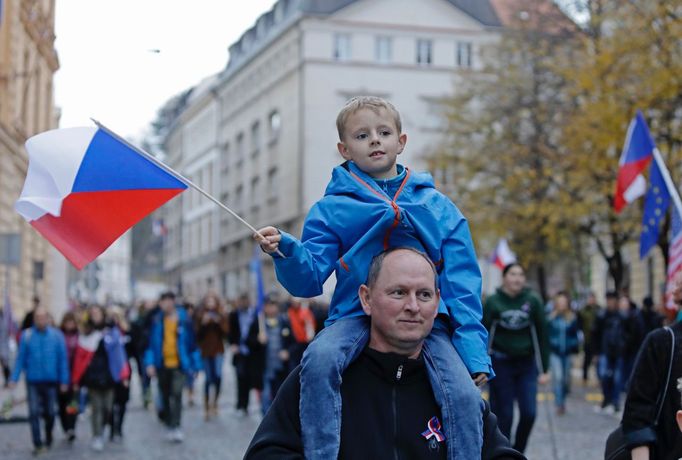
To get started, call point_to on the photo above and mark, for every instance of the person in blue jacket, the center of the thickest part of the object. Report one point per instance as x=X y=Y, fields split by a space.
x=168 y=357
x=562 y=329
x=371 y=204
x=42 y=357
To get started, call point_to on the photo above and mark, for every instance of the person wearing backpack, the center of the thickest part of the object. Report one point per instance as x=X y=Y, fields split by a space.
x=609 y=342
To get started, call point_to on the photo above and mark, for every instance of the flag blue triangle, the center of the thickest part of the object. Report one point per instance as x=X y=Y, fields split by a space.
x=110 y=164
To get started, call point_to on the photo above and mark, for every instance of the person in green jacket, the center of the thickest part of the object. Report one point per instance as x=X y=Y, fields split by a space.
x=517 y=328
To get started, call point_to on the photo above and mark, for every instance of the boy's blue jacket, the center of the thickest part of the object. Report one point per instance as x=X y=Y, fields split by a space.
x=42 y=355
x=356 y=219
x=154 y=353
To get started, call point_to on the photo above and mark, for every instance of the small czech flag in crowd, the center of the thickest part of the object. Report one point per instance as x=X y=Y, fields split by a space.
x=85 y=187
x=503 y=255
x=637 y=154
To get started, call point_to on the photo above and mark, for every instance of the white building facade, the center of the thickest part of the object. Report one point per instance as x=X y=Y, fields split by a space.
x=262 y=136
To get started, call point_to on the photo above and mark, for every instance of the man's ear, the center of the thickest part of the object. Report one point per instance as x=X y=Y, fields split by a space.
x=402 y=140
x=363 y=293
x=678 y=417
x=343 y=150
x=437 y=297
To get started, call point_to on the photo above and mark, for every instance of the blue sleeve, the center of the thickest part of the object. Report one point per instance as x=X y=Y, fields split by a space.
x=460 y=288
x=309 y=262
x=63 y=360
x=149 y=352
x=19 y=364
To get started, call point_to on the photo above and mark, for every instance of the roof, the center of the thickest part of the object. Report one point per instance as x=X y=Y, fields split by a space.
x=480 y=10
x=542 y=15
x=286 y=12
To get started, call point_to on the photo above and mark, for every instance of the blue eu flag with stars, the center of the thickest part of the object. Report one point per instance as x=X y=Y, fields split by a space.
x=655 y=206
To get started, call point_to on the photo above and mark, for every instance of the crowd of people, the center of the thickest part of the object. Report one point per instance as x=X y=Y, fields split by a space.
x=532 y=344
x=406 y=319
x=84 y=364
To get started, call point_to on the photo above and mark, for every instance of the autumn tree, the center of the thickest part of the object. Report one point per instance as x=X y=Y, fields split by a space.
x=503 y=126
x=627 y=58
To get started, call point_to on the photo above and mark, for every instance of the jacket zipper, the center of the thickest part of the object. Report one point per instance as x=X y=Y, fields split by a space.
x=391 y=202
x=398 y=375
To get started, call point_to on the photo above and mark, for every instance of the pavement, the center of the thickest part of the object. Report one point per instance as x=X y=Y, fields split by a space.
x=579 y=434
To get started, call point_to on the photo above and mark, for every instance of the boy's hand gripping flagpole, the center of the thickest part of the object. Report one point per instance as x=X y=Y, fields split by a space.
x=181 y=178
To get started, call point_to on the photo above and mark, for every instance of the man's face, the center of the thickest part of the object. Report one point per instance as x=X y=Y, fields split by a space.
x=612 y=303
x=167 y=305
x=677 y=288
x=270 y=309
x=402 y=303
x=372 y=141
x=40 y=318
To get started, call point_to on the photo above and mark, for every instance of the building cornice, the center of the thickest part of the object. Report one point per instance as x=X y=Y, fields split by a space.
x=40 y=27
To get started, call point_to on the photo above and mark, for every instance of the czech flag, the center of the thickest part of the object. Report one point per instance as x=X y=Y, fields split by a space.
x=503 y=255
x=637 y=153
x=85 y=187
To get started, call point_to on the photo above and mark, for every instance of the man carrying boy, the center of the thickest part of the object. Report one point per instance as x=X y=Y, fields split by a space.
x=372 y=204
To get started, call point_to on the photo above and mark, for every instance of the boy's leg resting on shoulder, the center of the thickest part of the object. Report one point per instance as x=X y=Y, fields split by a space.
x=455 y=392
x=323 y=362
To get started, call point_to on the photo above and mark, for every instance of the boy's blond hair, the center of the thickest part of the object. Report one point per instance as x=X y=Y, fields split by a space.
x=373 y=103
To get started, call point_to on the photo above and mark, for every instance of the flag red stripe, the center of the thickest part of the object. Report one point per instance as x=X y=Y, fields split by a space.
x=91 y=221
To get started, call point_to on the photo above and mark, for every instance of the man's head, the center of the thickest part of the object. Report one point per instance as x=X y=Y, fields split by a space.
x=270 y=308
x=401 y=297
x=41 y=318
x=624 y=304
x=591 y=299
x=677 y=289
x=370 y=135
x=611 y=301
x=243 y=302
x=167 y=302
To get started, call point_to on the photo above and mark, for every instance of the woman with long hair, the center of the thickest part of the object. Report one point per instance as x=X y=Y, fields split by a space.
x=68 y=401
x=563 y=342
x=100 y=362
x=116 y=319
x=211 y=326
x=515 y=319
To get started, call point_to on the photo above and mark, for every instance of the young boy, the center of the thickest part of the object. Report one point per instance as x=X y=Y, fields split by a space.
x=373 y=203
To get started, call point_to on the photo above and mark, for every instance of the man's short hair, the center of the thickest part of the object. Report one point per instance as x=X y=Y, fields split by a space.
x=611 y=295
x=167 y=295
x=378 y=261
x=373 y=103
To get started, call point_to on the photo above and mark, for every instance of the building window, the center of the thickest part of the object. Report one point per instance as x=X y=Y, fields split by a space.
x=240 y=148
x=255 y=138
x=383 y=49
x=273 y=183
x=341 y=47
x=274 y=125
x=424 y=51
x=225 y=158
x=464 y=54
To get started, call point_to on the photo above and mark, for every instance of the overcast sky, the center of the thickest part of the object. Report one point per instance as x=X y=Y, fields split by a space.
x=109 y=70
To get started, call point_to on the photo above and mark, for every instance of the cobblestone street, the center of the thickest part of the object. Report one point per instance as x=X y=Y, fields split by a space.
x=580 y=434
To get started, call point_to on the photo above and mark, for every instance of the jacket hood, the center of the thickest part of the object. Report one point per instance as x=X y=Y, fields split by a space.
x=345 y=181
